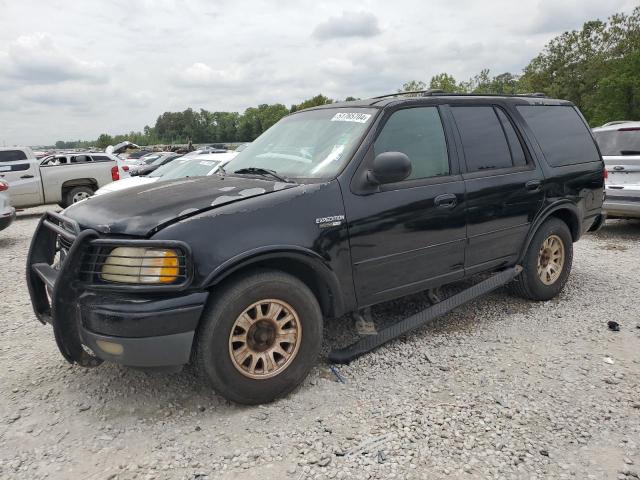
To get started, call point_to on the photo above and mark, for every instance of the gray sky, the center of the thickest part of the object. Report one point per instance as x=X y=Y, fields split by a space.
x=75 y=69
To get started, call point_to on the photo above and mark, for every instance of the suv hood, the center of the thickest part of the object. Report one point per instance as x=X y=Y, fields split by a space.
x=140 y=210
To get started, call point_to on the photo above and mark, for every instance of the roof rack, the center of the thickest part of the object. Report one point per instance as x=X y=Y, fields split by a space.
x=417 y=93
x=534 y=94
x=434 y=92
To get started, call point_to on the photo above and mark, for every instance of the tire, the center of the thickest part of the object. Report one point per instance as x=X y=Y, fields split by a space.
x=76 y=194
x=530 y=284
x=220 y=360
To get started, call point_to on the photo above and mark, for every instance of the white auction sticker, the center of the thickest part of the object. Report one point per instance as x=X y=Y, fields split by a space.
x=351 y=117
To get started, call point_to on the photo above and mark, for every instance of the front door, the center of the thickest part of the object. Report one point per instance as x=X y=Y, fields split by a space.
x=410 y=235
x=503 y=186
x=23 y=177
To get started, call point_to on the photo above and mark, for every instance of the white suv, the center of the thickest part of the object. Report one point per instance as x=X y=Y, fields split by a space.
x=619 y=144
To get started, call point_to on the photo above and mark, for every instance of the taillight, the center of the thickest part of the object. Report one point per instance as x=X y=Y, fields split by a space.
x=115 y=174
x=605 y=173
x=125 y=168
x=4 y=186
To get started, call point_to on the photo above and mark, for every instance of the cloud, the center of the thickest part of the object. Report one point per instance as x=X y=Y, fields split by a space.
x=37 y=59
x=200 y=74
x=348 y=24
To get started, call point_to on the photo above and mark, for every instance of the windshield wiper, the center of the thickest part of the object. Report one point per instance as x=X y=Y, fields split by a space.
x=264 y=172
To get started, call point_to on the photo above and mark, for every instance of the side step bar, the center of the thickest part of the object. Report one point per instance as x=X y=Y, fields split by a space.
x=369 y=343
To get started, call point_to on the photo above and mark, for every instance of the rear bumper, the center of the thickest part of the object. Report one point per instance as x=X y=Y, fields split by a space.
x=7 y=216
x=136 y=328
x=618 y=206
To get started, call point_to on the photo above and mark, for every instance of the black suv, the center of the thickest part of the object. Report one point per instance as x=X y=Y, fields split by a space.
x=331 y=210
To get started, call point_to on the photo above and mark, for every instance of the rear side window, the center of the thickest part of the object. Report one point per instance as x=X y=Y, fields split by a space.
x=623 y=141
x=483 y=138
x=12 y=155
x=517 y=153
x=418 y=133
x=561 y=134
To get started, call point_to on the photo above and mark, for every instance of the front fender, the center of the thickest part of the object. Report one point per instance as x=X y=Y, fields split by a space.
x=291 y=253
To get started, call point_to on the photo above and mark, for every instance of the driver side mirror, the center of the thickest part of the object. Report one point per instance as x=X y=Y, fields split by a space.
x=389 y=167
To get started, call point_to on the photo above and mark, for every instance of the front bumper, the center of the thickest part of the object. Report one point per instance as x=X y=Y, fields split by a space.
x=140 y=328
x=7 y=217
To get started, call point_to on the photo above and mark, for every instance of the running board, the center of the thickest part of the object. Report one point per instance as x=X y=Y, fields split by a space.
x=369 y=343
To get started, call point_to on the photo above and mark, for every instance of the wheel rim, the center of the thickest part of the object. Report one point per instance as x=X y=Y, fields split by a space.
x=265 y=338
x=551 y=260
x=78 y=197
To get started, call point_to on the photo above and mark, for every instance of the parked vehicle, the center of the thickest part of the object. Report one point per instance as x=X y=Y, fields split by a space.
x=63 y=178
x=179 y=168
x=620 y=147
x=7 y=212
x=333 y=209
x=153 y=162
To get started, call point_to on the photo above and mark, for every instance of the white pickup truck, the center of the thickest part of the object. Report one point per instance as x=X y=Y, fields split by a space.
x=64 y=178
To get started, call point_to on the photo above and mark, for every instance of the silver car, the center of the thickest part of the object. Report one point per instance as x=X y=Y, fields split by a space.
x=7 y=212
x=619 y=143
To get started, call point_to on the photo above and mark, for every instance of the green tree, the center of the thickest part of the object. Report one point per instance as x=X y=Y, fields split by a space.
x=593 y=67
x=104 y=141
x=312 y=102
x=445 y=82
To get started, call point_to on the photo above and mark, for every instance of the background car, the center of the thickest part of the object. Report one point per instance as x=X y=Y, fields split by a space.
x=152 y=162
x=182 y=167
x=7 y=212
x=619 y=144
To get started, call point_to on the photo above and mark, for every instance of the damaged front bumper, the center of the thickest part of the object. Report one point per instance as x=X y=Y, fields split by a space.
x=142 y=326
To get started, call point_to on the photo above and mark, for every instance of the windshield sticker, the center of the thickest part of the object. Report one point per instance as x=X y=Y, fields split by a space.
x=351 y=117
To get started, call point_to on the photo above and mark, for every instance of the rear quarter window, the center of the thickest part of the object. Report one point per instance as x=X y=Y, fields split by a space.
x=12 y=155
x=561 y=134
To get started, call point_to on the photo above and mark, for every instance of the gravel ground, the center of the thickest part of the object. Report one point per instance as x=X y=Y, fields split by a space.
x=501 y=388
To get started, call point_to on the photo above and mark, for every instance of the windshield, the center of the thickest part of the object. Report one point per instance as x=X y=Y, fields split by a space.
x=185 y=167
x=624 y=141
x=313 y=144
x=150 y=160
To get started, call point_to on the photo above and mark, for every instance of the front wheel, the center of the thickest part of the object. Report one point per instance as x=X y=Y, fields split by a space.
x=547 y=263
x=259 y=337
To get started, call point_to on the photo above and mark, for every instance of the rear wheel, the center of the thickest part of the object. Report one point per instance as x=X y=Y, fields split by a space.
x=259 y=337
x=76 y=194
x=547 y=263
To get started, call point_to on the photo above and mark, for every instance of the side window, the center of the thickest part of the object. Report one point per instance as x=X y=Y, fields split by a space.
x=100 y=158
x=517 y=153
x=561 y=134
x=418 y=133
x=483 y=139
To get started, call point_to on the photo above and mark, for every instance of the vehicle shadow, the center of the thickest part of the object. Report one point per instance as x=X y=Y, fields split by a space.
x=619 y=230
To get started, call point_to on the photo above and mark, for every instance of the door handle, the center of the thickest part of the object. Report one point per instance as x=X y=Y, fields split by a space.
x=26 y=176
x=533 y=185
x=446 y=200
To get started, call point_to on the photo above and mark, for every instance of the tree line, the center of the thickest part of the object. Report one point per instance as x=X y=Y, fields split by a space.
x=596 y=67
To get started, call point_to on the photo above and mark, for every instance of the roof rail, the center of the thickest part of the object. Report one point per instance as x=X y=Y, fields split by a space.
x=417 y=93
x=534 y=94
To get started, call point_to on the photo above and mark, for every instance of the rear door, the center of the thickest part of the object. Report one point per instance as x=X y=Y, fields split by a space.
x=503 y=185
x=22 y=173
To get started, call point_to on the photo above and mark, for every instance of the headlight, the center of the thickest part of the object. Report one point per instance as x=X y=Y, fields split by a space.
x=141 y=265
